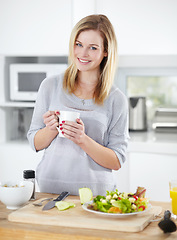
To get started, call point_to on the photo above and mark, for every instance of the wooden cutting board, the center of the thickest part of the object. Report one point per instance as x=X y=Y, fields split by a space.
x=79 y=218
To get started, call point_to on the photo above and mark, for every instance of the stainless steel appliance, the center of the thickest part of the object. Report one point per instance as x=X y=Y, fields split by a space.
x=165 y=120
x=137 y=114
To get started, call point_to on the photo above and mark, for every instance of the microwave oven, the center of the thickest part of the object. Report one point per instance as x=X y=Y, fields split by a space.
x=25 y=79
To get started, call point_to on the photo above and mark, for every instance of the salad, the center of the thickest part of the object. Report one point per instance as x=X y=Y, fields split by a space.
x=116 y=202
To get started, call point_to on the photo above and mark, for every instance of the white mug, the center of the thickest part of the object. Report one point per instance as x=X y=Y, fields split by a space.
x=67 y=116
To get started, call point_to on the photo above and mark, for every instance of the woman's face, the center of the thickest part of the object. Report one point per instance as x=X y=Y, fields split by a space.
x=89 y=51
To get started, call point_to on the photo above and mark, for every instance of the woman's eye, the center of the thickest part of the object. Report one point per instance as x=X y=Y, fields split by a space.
x=79 y=44
x=93 y=48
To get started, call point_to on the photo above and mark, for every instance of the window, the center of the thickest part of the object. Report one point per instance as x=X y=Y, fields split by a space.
x=159 y=91
x=158 y=85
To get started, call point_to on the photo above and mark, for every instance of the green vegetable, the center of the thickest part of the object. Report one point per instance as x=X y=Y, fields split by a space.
x=98 y=198
x=61 y=205
x=85 y=195
x=103 y=207
x=117 y=202
x=124 y=205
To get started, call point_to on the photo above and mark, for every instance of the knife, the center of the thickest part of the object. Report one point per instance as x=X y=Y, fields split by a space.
x=51 y=204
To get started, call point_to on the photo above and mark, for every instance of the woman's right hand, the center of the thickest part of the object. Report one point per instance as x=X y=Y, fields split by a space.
x=51 y=119
x=45 y=136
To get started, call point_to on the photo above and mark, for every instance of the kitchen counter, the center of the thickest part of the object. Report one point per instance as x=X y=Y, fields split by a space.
x=153 y=142
x=12 y=230
x=148 y=141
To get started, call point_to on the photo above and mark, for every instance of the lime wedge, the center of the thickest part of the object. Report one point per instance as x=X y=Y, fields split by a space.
x=85 y=195
x=62 y=205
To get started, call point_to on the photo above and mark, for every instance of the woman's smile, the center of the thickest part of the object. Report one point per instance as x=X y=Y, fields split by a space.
x=89 y=51
x=83 y=61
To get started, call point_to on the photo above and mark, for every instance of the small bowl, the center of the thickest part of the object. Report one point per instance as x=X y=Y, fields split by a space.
x=15 y=194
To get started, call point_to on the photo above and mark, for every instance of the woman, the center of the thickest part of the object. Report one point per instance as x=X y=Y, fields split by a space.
x=96 y=144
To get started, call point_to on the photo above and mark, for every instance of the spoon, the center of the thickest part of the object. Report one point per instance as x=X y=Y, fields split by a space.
x=40 y=203
x=167 y=225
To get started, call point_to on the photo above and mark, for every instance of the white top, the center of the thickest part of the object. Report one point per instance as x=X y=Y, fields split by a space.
x=65 y=166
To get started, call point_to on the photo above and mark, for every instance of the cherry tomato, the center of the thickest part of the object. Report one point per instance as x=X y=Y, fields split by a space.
x=142 y=206
x=135 y=197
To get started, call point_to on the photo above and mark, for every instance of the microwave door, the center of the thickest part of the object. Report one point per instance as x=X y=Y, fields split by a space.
x=30 y=82
x=27 y=85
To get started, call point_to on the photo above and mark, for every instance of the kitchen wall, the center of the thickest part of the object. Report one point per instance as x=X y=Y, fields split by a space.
x=42 y=27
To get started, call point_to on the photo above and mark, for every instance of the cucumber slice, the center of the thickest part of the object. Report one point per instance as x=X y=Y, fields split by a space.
x=62 y=205
x=85 y=195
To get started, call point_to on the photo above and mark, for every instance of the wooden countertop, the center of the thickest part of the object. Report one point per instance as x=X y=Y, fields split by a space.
x=11 y=230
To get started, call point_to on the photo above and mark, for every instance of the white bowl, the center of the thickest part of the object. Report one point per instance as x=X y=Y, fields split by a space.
x=15 y=194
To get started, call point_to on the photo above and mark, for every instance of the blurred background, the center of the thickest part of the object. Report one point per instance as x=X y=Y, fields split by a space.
x=36 y=33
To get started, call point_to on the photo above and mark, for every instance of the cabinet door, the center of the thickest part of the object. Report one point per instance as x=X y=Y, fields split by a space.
x=122 y=177
x=16 y=157
x=152 y=171
x=136 y=21
x=35 y=27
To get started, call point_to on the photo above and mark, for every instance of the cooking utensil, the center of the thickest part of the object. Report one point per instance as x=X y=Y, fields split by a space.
x=167 y=225
x=51 y=204
x=40 y=203
x=76 y=218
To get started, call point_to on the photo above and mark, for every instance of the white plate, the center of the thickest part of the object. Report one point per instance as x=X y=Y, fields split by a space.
x=84 y=206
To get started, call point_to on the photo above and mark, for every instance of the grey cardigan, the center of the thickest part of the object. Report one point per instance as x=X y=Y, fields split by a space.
x=64 y=165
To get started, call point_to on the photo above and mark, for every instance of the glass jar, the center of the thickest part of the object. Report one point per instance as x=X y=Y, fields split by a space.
x=29 y=175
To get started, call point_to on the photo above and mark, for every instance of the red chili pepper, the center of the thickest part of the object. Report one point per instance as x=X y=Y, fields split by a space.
x=119 y=198
x=135 y=197
x=142 y=206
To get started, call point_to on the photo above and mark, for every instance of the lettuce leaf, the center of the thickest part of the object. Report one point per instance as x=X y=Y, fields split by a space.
x=103 y=207
x=97 y=198
x=124 y=205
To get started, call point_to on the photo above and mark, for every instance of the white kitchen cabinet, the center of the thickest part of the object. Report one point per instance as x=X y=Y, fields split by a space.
x=142 y=27
x=16 y=157
x=33 y=27
x=151 y=163
x=122 y=177
x=43 y=27
x=152 y=171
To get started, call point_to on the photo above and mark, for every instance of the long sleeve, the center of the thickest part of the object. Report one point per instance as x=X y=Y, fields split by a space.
x=118 y=128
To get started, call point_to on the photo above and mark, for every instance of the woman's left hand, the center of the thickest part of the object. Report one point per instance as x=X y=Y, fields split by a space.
x=75 y=131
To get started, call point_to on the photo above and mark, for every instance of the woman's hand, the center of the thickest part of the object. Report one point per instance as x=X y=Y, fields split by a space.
x=75 y=131
x=45 y=136
x=51 y=119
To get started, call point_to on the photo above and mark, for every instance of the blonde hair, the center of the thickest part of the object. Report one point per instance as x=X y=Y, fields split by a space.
x=108 y=64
